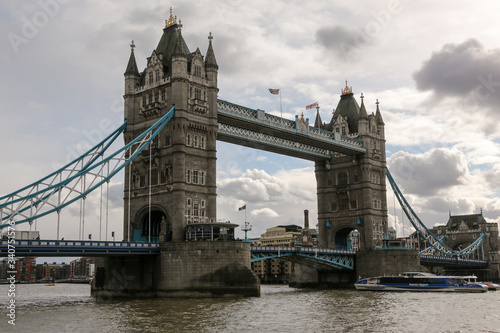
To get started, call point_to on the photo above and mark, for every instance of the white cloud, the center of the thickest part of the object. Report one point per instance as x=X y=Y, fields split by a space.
x=266 y=212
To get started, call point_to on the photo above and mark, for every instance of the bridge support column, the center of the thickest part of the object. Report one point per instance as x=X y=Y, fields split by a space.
x=125 y=276
x=310 y=277
x=206 y=269
x=372 y=262
x=182 y=269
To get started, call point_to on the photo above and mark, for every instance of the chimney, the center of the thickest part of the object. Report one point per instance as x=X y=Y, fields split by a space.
x=306 y=219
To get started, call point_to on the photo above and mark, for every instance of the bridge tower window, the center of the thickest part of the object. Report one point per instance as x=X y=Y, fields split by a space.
x=188 y=139
x=343 y=203
x=157 y=75
x=188 y=176
x=342 y=178
x=197 y=71
x=343 y=130
x=154 y=176
x=197 y=94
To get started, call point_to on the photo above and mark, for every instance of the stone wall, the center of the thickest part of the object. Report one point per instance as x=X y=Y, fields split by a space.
x=204 y=269
x=387 y=262
x=183 y=269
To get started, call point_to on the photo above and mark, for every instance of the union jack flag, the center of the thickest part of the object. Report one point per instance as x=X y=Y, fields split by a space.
x=274 y=91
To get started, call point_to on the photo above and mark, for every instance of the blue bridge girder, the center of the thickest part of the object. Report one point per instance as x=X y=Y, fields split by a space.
x=452 y=261
x=74 y=248
x=318 y=258
x=257 y=129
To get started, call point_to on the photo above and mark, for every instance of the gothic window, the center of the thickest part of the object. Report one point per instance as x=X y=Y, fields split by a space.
x=202 y=178
x=188 y=176
x=168 y=140
x=202 y=142
x=188 y=139
x=189 y=201
x=142 y=181
x=195 y=177
x=150 y=76
x=342 y=178
x=196 y=208
x=163 y=176
x=377 y=204
x=190 y=92
x=157 y=96
x=197 y=71
x=202 y=203
x=195 y=141
x=163 y=95
x=354 y=203
x=157 y=75
x=197 y=93
x=375 y=178
x=154 y=176
x=343 y=130
x=204 y=95
x=144 y=100
x=150 y=98
x=337 y=130
x=343 y=203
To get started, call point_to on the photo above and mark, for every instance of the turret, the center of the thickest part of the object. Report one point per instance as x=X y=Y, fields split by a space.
x=363 y=123
x=131 y=73
x=211 y=67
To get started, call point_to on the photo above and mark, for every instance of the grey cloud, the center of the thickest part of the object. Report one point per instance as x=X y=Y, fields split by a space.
x=429 y=173
x=492 y=177
x=340 y=40
x=466 y=70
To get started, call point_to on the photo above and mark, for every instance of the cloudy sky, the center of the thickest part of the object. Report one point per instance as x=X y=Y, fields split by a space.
x=434 y=67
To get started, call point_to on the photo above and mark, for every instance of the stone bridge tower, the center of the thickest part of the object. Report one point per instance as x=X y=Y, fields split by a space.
x=352 y=203
x=173 y=182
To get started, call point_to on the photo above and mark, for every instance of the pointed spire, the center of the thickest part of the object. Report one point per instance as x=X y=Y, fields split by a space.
x=362 y=109
x=318 y=123
x=378 y=115
x=132 y=64
x=210 y=57
x=180 y=46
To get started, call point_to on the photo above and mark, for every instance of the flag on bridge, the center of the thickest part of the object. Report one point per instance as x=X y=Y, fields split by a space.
x=274 y=91
x=242 y=207
x=312 y=106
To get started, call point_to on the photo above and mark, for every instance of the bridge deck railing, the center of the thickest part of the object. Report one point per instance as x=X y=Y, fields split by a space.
x=260 y=117
x=299 y=249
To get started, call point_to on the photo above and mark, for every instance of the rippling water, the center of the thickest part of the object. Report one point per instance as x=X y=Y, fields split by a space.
x=69 y=308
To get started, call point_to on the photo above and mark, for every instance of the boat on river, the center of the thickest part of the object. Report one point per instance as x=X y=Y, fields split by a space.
x=420 y=281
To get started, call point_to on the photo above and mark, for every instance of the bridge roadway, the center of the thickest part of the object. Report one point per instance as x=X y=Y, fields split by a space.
x=255 y=128
x=75 y=248
x=319 y=258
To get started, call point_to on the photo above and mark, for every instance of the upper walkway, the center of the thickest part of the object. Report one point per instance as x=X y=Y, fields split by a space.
x=257 y=129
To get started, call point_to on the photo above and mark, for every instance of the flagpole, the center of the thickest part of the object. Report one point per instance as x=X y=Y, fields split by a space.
x=281 y=111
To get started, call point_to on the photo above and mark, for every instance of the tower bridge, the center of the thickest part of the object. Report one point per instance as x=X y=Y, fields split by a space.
x=173 y=118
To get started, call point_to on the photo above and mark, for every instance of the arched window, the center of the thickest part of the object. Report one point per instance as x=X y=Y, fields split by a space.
x=342 y=180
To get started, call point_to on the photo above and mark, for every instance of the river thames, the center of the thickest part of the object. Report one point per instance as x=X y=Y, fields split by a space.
x=70 y=308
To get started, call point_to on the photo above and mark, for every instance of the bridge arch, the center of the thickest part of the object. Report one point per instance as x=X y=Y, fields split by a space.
x=161 y=228
x=346 y=238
